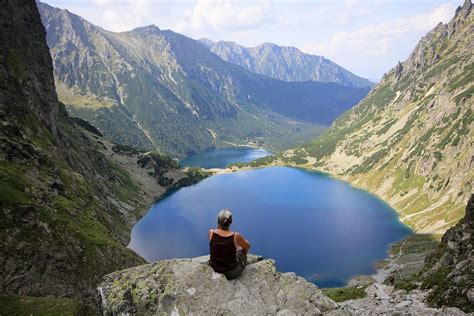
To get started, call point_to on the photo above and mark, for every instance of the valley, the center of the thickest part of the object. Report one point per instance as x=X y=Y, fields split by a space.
x=165 y=98
x=93 y=127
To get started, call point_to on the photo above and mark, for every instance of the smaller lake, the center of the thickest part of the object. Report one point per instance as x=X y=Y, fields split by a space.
x=323 y=229
x=221 y=158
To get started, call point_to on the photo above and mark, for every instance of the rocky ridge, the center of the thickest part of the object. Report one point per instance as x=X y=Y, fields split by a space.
x=410 y=141
x=190 y=286
x=285 y=63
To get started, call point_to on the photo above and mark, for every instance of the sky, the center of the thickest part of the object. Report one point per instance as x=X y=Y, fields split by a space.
x=368 y=37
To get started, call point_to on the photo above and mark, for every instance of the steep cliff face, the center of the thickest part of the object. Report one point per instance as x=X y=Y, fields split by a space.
x=21 y=94
x=66 y=210
x=450 y=268
x=411 y=139
x=285 y=63
x=158 y=89
x=67 y=204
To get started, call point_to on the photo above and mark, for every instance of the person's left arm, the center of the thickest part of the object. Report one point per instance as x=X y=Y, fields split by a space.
x=242 y=242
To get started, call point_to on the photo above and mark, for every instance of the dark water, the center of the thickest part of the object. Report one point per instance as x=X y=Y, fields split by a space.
x=220 y=158
x=309 y=223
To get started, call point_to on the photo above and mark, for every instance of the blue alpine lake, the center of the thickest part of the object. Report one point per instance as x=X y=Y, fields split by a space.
x=318 y=227
x=220 y=158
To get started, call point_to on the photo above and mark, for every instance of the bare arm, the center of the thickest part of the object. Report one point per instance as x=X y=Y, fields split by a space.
x=209 y=234
x=242 y=242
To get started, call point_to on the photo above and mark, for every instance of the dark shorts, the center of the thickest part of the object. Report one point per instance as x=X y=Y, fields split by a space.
x=241 y=261
x=241 y=257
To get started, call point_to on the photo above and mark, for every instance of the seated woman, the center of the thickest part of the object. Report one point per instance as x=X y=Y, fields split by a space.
x=228 y=249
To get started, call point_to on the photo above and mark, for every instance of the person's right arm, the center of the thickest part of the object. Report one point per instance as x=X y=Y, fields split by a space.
x=242 y=242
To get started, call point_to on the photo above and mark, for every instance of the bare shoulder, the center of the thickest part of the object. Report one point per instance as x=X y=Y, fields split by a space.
x=210 y=232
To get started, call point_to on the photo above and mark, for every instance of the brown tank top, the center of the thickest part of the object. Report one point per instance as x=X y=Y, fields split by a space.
x=223 y=252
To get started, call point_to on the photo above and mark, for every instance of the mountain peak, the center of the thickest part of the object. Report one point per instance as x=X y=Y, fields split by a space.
x=465 y=8
x=206 y=41
x=286 y=63
x=149 y=29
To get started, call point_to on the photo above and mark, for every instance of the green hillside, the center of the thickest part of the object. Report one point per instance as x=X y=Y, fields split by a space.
x=411 y=140
x=156 y=89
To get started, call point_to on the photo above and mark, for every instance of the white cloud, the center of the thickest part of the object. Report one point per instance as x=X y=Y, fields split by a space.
x=215 y=16
x=375 y=44
x=125 y=15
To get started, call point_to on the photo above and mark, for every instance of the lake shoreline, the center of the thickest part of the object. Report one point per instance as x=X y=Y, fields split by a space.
x=379 y=271
x=309 y=193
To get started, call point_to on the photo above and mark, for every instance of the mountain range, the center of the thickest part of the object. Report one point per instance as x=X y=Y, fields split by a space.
x=69 y=197
x=285 y=63
x=411 y=140
x=150 y=88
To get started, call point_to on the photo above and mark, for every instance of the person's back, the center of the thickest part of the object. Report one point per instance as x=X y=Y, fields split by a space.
x=223 y=252
x=228 y=250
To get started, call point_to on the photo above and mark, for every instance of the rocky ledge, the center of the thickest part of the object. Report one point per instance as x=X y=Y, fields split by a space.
x=190 y=286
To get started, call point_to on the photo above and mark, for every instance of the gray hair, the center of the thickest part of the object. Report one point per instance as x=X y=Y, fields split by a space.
x=224 y=218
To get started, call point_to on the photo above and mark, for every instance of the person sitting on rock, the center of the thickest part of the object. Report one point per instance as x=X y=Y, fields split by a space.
x=228 y=249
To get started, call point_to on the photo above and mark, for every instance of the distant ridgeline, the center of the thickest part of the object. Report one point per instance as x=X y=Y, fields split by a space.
x=285 y=63
x=411 y=140
x=150 y=88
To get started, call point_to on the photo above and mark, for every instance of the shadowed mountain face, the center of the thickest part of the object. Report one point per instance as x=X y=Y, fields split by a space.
x=285 y=63
x=65 y=210
x=152 y=88
x=411 y=139
x=68 y=198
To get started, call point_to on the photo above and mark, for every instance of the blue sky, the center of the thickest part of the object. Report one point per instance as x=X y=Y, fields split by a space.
x=368 y=37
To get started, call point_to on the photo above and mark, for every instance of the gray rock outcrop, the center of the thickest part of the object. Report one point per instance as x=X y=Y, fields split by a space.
x=190 y=286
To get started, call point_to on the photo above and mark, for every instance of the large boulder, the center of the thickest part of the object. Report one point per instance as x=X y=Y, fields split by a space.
x=190 y=286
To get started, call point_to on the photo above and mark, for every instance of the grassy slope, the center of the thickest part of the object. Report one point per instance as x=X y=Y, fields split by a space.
x=341 y=294
x=411 y=139
x=55 y=218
